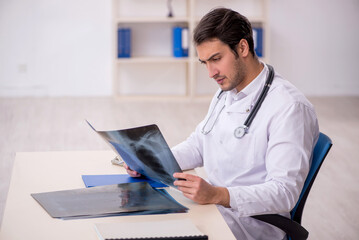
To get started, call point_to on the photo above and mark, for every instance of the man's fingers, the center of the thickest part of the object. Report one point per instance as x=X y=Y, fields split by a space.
x=188 y=195
x=187 y=191
x=131 y=172
x=186 y=176
x=182 y=183
x=134 y=174
x=189 y=186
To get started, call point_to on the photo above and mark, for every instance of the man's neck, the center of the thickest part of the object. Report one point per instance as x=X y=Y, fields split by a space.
x=253 y=68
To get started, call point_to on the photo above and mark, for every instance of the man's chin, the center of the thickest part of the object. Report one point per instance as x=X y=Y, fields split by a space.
x=225 y=87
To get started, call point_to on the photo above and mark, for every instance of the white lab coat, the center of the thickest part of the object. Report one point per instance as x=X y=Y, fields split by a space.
x=264 y=171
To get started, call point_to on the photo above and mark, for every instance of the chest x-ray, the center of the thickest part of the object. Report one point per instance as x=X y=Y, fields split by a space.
x=144 y=150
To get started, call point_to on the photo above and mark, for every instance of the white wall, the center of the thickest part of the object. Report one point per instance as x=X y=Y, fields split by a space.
x=315 y=44
x=63 y=48
x=55 y=47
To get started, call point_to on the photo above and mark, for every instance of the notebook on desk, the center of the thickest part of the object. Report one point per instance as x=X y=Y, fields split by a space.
x=170 y=229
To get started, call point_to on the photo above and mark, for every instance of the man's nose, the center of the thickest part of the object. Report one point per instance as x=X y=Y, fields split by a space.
x=212 y=71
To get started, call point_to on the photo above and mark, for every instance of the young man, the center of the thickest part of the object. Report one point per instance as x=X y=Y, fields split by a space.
x=263 y=170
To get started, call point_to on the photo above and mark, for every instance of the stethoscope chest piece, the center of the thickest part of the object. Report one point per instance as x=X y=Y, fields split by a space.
x=240 y=131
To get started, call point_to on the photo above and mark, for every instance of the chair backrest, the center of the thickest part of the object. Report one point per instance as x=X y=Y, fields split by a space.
x=321 y=150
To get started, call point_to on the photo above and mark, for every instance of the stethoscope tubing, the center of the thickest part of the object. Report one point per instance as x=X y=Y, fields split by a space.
x=240 y=131
x=261 y=98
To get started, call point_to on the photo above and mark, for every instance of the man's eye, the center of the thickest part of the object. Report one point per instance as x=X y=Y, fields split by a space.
x=216 y=59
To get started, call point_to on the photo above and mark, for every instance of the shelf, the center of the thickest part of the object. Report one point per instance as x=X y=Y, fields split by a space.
x=256 y=19
x=251 y=19
x=151 y=72
x=152 y=20
x=153 y=59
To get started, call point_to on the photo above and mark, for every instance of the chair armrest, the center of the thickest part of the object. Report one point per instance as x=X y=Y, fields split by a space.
x=290 y=227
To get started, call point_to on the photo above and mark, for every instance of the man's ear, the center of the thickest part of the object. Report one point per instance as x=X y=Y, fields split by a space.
x=243 y=48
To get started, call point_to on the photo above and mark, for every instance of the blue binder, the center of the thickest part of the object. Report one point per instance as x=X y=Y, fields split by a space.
x=258 y=41
x=109 y=179
x=180 y=42
x=184 y=45
x=124 y=42
x=177 y=42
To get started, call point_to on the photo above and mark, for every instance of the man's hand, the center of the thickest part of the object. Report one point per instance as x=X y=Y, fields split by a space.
x=131 y=172
x=200 y=191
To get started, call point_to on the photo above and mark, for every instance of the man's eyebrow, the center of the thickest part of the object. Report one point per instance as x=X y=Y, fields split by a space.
x=214 y=55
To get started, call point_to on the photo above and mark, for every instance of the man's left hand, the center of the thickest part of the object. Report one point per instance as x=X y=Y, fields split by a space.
x=200 y=191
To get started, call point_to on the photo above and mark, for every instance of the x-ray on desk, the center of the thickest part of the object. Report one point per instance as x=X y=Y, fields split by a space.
x=37 y=172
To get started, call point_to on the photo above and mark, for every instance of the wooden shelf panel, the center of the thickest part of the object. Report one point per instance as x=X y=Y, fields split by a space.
x=251 y=19
x=153 y=60
x=150 y=51
x=152 y=20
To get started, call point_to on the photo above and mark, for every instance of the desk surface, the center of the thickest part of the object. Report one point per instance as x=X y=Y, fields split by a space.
x=38 y=172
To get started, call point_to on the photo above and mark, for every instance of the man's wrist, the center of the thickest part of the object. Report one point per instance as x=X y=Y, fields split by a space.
x=222 y=197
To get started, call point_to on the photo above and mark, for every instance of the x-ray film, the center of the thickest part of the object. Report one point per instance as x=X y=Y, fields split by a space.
x=144 y=150
x=110 y=200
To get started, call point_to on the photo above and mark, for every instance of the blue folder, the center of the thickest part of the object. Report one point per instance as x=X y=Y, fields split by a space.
x=101 y=180
x=124 y=43
x=177 y=42
x=258 y=41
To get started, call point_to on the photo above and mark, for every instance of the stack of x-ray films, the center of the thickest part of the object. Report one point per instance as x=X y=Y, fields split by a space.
x=144 y=150
x=111 y=200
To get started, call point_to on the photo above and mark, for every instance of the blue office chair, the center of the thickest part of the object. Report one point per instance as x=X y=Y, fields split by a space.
x=293 y=226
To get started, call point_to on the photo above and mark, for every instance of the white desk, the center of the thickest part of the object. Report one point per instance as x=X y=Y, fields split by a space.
x=38 y=172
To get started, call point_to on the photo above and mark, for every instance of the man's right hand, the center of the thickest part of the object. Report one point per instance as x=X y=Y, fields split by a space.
x=131 y=172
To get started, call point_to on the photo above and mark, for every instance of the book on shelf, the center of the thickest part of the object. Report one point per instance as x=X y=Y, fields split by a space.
x=185 y=43
x=180 y=41
x=124 y=43
x=258 y=41
x=169 y=229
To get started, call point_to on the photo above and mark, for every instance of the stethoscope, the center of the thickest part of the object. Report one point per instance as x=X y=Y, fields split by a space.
x=240 y=131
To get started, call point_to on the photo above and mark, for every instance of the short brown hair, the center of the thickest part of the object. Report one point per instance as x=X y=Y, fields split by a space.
x=228 y=26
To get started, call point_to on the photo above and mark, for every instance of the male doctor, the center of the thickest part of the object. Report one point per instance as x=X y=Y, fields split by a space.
x=262 y=172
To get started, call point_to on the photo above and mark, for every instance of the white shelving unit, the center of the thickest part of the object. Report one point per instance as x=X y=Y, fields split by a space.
x=152 y=72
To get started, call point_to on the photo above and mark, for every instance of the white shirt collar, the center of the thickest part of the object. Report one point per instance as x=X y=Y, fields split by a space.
x=253 y=89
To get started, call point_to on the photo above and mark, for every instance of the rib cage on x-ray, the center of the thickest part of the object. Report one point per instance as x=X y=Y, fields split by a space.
x=144 y=150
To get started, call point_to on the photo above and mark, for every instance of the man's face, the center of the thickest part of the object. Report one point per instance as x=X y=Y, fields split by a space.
x=222 y=65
